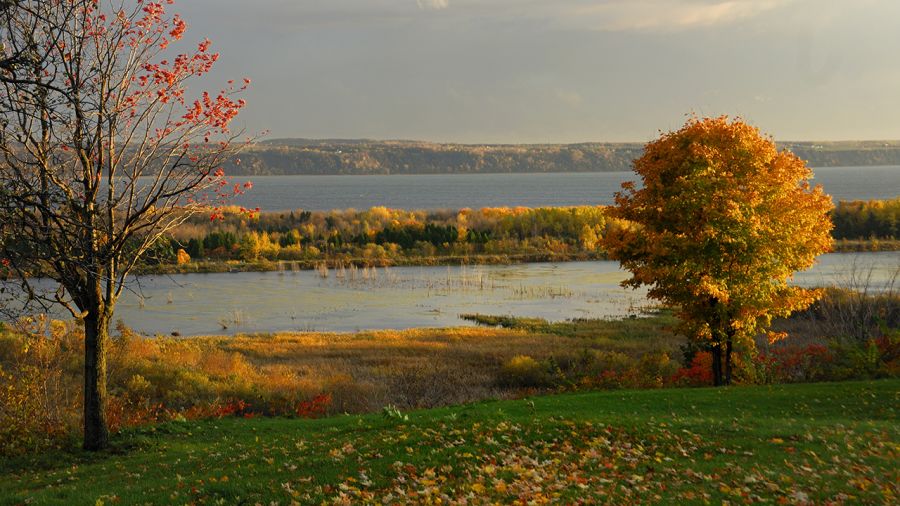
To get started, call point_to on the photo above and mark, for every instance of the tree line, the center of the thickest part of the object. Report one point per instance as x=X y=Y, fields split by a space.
x=862 y=219
x=381 y=234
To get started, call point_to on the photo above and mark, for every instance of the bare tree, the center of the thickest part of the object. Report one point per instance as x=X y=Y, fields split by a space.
x=102 y=152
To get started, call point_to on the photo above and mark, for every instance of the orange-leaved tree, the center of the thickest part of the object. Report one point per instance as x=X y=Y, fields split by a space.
x=103 y=151
x=722 y=221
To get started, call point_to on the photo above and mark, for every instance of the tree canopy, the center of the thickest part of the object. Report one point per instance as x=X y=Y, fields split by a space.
x=102 y=152
x=722 y=221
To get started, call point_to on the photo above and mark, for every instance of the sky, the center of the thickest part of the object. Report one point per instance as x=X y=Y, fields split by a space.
x=555 y=71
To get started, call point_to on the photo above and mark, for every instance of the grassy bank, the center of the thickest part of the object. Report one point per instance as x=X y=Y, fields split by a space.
x=792 y=444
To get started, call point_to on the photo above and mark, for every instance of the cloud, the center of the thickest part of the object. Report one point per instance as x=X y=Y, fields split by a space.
x=619 y=15
x=664 y=15
x=433 y=4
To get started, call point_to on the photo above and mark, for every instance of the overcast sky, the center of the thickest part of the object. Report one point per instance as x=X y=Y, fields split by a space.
x=556 y=70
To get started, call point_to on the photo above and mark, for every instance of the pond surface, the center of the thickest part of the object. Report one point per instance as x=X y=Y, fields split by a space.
x=406 y=297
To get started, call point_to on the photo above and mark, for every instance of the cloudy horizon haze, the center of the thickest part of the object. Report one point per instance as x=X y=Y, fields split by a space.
x=539 y=71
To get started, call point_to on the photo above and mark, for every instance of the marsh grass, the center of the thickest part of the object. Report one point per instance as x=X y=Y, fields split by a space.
x=655 y=330
x=428 y=367
x=155 y=378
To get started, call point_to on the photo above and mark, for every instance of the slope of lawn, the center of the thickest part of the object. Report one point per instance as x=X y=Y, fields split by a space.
x=784 y=444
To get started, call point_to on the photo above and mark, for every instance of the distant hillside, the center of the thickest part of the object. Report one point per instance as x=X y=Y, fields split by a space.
x=363 y=156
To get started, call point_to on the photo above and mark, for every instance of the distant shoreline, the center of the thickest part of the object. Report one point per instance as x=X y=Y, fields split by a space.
x=282 y=157
x=629 y=170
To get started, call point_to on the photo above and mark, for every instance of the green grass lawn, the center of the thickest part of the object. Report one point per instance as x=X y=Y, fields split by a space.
x=783 y=444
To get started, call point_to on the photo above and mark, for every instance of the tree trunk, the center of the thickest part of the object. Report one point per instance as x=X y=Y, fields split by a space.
x=717 y=364
x=96 y=339
x=727 y=375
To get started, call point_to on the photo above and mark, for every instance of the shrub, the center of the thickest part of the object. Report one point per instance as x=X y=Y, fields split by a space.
x=889 y=349
x=522 y=371
x=655 y=368
x=699 y=373
x=615 y=370
x=39 y=404
x=182 y=257
x=315 y=407
x=791 y=364
x=137 y=387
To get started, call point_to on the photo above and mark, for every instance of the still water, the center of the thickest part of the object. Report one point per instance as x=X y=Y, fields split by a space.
x=455 y=191
x=404 y=297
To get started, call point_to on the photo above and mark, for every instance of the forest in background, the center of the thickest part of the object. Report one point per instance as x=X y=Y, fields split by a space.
x=362 y=156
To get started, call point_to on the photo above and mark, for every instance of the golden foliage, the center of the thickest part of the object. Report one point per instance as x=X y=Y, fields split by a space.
x=182 y=257
x=721 y=223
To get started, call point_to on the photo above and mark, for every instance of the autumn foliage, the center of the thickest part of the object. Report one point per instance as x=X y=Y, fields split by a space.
x=721 y=223
x=104 y=151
